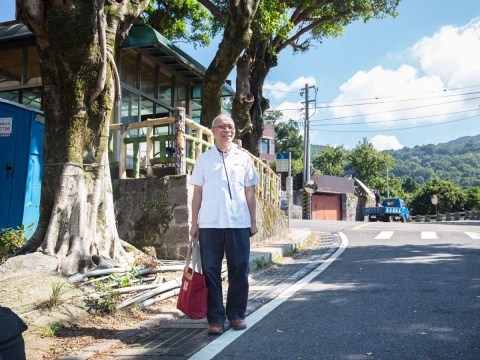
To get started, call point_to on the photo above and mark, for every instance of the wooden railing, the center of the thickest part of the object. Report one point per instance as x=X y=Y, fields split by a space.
x=177 y=151
x=459 y=215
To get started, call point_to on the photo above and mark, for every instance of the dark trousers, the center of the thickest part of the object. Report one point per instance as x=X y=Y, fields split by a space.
x=235 y=244
x=14 y=349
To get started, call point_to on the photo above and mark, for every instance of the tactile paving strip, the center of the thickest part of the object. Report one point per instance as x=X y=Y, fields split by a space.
x=167 y=338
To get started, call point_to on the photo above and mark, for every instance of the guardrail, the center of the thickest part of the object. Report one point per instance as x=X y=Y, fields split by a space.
x=175 y=152
x=459 y=215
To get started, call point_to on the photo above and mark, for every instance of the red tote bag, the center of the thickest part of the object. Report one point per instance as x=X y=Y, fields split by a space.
x=192 y=299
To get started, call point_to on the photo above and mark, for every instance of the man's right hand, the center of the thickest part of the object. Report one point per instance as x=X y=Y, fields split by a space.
x=194 y=232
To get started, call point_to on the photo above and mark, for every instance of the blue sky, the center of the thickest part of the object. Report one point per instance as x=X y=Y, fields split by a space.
x=407 y=81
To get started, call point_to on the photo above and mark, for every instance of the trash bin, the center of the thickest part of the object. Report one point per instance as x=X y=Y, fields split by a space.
x=12 y=346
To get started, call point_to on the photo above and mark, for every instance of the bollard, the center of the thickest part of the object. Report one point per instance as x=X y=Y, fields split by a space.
x=457 y=216
x=427 y=218
x=418 y=218
x=439 y=217
x=449 y=217
x=467 y=214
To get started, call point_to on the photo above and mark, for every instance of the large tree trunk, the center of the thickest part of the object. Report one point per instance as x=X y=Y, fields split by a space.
x=236 y=37
x=76 y=44
x=249 y=104
x=243 y=100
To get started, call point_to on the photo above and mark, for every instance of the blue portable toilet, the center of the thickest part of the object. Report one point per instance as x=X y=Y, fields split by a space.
x=21 y=164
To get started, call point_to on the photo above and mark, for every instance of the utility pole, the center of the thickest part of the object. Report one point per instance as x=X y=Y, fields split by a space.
x=306 y=151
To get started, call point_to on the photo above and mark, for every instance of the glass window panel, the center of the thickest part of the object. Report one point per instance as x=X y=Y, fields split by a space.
x=10 y=67
x=147 y=109
x=161 y=112
x=32 y=98
x=33 y=67
x=265 y=146
x=129 y=107
x=10 y=95
x=148 y=77
x=128 y=68
x=165 y=88
x=180 y=94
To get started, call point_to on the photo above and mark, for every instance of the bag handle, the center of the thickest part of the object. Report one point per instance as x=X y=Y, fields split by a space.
x=193 y=254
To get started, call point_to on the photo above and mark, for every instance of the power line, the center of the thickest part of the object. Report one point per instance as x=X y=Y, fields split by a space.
x=395 y=110
x=400 y=129
x=380 y=97
x=393 y=101
x=394 y=96
x=395 y=120
x=390 y=101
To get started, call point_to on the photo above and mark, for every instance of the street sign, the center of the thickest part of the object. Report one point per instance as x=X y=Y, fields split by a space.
x=289 y=186
x=282 y=161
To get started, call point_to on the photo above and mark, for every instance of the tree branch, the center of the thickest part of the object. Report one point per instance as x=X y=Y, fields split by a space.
x=310 y=27
x=31 y=13
x=300 y=15
x=214 y=10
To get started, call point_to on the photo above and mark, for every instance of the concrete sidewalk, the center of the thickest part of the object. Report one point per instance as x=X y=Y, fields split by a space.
x=175 y=327
x=293 y=240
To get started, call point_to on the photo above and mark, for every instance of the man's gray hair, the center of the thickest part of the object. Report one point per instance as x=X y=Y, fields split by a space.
x=221 y=116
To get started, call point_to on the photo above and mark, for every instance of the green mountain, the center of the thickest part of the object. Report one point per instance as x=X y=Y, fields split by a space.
x=457 y=160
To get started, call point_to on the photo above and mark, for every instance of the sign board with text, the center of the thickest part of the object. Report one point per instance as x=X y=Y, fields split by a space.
x=6 y=127
x=282 y=162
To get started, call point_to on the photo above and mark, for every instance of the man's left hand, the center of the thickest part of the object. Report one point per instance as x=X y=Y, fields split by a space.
x=253 y=230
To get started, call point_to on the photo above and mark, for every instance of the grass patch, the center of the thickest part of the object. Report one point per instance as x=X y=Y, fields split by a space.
x=51 y=330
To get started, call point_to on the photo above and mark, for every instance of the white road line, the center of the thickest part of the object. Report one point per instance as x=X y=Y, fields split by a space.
x=429 y=235
x=228 y=337
x=384 y=235
x=473 y=235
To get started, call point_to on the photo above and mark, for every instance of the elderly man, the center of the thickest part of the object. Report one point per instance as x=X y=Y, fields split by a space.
x=224 y=219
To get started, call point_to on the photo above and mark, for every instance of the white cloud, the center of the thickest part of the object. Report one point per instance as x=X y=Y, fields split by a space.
x=278 y=89
x=379 y=91
x=409 y=96
x=452 y=53
x=384 y=142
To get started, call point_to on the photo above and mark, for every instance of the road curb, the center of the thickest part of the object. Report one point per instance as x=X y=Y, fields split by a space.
x=291 y=241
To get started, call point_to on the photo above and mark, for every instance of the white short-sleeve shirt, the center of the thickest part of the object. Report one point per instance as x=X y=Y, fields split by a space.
x=221 y=208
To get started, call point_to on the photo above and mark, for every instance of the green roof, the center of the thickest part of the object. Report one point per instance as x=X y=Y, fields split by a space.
x=140 y=36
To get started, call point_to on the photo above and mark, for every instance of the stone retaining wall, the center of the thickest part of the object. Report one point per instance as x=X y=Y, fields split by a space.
x=156 y=212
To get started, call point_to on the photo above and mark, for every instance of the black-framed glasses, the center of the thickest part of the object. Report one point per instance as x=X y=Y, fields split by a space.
x=226 y=127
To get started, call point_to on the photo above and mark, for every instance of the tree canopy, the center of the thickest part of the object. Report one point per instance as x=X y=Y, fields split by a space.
x=181 y=21
x=330 y=160
x=450 y=197
x=287 y=135
x=297 y=25
x=367 y=164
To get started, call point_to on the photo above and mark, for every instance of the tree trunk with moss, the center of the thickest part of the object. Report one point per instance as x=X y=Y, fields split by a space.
x=248 y=109
x=236 y=37
x=76 y=43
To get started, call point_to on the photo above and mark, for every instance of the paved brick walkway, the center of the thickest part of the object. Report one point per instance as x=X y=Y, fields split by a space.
x=182 y=338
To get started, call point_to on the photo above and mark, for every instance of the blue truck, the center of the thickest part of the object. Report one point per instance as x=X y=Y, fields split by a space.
x=391 y=209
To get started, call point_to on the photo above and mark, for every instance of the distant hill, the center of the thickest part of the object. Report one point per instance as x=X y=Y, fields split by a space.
x=461 y=141
x=457 y=160
x=315 y=149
